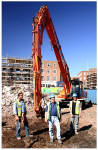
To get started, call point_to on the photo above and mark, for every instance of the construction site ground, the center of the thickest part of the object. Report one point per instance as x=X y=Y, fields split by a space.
x=39 y=129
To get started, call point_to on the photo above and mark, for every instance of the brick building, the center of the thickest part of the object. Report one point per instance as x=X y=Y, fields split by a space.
x=88 y=78
x=20 y=71
x=83 y=77
x=50 y=73
x=92 y=79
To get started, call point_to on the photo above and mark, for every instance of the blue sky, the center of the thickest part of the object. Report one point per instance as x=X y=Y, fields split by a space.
x=75 y=25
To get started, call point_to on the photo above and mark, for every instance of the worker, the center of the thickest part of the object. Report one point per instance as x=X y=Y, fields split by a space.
x=19 y=110
x=75 y=110
x=53 y=116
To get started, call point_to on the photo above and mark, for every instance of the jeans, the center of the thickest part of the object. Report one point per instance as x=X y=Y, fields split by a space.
x=18 y=127
x=74 y=123
x=54 y=121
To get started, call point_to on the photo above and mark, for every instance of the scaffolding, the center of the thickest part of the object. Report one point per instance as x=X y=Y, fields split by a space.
x=92 y=80
x=17 y=71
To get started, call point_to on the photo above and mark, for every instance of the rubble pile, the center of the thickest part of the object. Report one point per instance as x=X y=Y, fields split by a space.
x=9 y=95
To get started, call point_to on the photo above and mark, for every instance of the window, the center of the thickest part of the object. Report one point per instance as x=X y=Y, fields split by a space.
x=84 y=74
x=42 y=85
x=84 y=78
x=23 y=65
x=48 y=71
x=3 y=60
x=80 y=79
x=54 y=65
x=11 y=69
x=42 y=65
x=11 y=65
x=42 y=70
x=42 y=78
x=26 y=70
x=29 y=65
x=3 y=69
x=17 y=78
x=49 y=85
x=48 y=64
x=23 y=78
x=54 y=71
x=17 y=70
x=48 y=78
x=54 y=78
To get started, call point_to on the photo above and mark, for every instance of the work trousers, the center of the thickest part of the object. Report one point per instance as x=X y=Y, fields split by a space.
x=74 y=123
x=54 y=121
x=18 y=127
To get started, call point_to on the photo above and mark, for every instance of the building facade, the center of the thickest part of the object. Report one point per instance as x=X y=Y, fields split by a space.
x=82 y=76
x=89 y=78
x=20 y=71
x=50 y=73
x=92 y=79
x=16 y=71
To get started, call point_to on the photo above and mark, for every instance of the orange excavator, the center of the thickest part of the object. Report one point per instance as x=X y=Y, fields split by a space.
x=40 y=22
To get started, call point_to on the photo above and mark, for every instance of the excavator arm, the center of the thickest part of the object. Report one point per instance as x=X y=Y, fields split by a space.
x=40 y=22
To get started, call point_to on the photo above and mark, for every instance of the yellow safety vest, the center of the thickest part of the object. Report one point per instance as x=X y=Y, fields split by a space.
x=19 y=108
x=77 y=108
x=49 y=111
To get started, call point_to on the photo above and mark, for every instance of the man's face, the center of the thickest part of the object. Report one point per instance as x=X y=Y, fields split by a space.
x=20 y=96
x=75 y=98
x=52 y=100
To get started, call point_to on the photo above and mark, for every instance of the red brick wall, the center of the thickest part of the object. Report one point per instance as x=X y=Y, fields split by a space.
x=50 y=68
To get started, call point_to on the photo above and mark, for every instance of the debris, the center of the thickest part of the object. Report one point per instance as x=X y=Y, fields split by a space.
x=9 y=94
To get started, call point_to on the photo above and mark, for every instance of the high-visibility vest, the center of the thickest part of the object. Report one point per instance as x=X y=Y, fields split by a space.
x=77 y=108
x=19 y=107
x=49 y=111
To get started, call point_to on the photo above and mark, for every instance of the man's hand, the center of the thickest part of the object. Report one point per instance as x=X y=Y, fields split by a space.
x=23 y=117
x=46 y=120
x=16 y=118
x=46 y=117
x=71 y=114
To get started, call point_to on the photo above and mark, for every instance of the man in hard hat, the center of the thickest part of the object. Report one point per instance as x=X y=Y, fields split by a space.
x=75 y=110
x=19 y=110
x=53 y=115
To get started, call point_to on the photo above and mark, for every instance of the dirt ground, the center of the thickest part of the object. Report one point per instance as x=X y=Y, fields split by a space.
x=39 y=129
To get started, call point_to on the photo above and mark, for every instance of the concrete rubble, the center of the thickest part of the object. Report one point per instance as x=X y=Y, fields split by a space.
x=9 y=94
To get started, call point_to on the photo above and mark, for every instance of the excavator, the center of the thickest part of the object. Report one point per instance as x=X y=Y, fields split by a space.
x=42 y=21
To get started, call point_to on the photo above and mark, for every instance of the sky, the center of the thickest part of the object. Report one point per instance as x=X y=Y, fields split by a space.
x=75 y=25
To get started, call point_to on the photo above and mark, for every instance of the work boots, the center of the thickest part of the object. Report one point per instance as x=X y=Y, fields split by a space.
x=51 y=140
x=59 y=141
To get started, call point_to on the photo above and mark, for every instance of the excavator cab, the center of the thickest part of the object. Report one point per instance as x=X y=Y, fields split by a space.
x=76 y=87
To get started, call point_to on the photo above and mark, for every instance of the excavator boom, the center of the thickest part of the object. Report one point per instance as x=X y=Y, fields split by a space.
x=43 y=21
